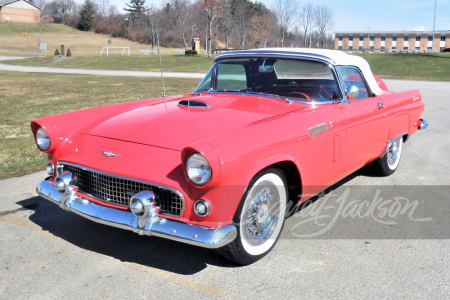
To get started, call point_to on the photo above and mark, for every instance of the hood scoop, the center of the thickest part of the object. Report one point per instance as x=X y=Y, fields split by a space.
x=193 y=103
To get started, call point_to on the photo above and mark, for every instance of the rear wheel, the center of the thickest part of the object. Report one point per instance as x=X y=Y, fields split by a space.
x=388 y=163
x=260 y=218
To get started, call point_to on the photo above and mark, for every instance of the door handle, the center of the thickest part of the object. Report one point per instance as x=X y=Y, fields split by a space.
x=380 y=106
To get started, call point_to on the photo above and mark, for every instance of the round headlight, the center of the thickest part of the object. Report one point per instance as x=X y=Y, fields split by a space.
x=42 y=139
x=198 y=169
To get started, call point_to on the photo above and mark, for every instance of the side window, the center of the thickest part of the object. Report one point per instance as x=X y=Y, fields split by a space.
x=352 y=77
x=231 y=77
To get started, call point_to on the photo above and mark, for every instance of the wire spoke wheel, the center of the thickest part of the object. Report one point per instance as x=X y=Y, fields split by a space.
x=260 y=219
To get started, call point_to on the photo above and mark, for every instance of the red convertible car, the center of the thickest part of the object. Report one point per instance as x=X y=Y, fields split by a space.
x=218 y=168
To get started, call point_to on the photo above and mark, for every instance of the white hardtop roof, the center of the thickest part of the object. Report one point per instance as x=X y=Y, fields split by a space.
x=334 y=57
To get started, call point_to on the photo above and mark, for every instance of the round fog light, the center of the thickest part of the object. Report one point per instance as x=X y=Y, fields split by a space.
x=201 y=208
x=50 y=169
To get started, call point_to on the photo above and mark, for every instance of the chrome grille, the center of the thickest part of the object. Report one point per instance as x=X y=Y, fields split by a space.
x=117 y=190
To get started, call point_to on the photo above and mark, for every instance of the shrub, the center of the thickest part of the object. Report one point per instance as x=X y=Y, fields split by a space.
x=57 y=53
x=190 y=52
x=69 y=52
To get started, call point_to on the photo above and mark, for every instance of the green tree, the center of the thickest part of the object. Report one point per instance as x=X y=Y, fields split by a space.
x=87 y=15
x=136 y=13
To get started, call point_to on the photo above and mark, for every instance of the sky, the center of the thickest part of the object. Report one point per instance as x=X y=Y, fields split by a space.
x=378 y=15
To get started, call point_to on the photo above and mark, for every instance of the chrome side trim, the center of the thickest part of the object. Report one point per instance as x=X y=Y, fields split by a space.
x=61 y=163
x=157 y=226
x=423 y=124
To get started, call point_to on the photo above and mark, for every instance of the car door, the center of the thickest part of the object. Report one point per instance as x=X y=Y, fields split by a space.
x=366 y=122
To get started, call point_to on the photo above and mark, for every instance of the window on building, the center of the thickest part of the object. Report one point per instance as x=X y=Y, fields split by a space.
x=417 y=38
x=442 y=38
x=383 y=38
x=442 y=49
x=394 y=48
x=394 y=38
x=340 y=47
x=361 y=37
x=350 y=47
x=406 y=38
x=383 y=49
x=430 y=49
x=405 y=48
x=350 y=38
x=430 y=38
x=340 y=38
x=360 y=47
x=417 y=48
x=372 y=37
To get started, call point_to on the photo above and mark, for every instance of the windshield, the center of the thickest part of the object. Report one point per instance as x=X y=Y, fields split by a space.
x=291 y=78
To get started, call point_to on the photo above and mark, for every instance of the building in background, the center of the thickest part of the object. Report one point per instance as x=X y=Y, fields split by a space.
x=18 y=11
x=403 y=41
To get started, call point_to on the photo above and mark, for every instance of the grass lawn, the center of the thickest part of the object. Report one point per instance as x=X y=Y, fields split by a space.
x=419 y=66
x=27 y=96
x=171 y=63
x=80 y=42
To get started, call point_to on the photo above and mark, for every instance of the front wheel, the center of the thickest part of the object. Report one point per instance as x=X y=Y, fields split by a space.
x=388 y=163
x=260 y=218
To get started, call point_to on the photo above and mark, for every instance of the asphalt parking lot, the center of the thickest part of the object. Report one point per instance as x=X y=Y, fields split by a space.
x=46 y=252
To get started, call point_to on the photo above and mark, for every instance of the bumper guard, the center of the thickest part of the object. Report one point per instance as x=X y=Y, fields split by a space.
x=154 y=225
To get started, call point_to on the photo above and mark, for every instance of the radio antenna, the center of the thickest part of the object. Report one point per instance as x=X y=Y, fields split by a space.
x=160 y=65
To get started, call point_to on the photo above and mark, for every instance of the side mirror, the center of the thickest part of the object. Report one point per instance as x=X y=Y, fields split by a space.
x=352 y=92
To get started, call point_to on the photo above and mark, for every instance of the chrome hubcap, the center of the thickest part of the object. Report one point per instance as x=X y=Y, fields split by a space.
x=262 y=213
x=393 y=152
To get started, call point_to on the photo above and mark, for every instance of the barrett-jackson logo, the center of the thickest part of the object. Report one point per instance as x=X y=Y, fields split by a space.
x=109 y=154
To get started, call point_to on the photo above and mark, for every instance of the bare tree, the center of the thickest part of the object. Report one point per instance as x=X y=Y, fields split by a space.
x=226 y=22
x=64 y=9
x=152 y=16
x=285 y=10
x=261 y=27
x=242 y=18
x=39 y=18
x=180 y=14
x=306 y=20
x=324 y=21
x=212 y=10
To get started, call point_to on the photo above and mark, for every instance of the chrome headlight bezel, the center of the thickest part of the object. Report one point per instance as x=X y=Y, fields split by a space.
x=42 y=139
x=198 y=169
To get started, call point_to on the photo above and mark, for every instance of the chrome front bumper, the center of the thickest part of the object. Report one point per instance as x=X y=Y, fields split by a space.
x=153 y=225
x=423 y=124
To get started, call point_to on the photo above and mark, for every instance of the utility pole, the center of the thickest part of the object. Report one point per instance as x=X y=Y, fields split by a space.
x=434 y=22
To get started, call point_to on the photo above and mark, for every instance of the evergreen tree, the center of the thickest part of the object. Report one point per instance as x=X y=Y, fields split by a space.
x=136 y=13
x=87 y=15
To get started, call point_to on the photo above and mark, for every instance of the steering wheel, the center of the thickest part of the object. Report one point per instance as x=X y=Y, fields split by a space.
x=317 y=91
x=297 y=94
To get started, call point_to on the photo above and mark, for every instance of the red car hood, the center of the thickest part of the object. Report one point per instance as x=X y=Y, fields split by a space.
x=175 y=127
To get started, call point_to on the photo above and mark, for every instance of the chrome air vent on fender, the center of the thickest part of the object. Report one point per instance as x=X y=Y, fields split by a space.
x=193 y=103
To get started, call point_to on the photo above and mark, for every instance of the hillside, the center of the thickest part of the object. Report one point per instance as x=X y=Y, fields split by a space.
x=55 y=35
